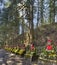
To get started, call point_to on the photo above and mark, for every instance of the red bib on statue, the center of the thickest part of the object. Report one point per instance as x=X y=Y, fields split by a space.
x=49 y=47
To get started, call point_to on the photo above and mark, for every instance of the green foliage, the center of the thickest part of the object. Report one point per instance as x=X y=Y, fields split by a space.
x=48 y=54
x=7 y=4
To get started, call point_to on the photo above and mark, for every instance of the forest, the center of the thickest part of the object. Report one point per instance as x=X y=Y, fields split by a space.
x=26 y=21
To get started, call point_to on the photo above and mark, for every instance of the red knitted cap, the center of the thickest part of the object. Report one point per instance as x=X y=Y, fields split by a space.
x=49 y=41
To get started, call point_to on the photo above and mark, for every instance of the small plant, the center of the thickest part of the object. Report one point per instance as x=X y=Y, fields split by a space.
x=49 y=54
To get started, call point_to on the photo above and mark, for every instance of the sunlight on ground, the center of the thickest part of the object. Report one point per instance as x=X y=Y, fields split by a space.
x=19 y=63
x=11 y=55
x=3 y=64
x=1 y=59
x=9 y=62
x=34 y=64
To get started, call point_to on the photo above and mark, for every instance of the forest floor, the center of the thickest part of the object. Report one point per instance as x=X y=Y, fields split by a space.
x=7 y=58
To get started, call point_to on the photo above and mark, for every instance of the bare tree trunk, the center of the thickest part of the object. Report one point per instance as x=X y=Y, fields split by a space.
x=41 y=11
x=52 y=11
x=30 y=18
x=22 y=30
x=32 y=23
x=38 y=13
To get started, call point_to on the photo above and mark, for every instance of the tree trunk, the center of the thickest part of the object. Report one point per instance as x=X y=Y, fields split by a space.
x=52 y=11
